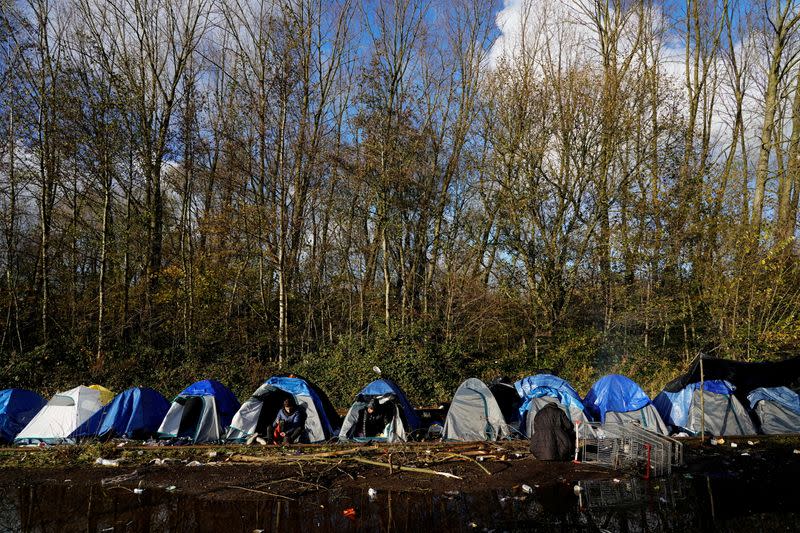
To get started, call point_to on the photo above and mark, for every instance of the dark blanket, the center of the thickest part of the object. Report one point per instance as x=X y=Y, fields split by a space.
x=553 y=435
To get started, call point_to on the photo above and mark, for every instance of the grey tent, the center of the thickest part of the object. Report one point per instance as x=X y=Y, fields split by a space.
x=474 y=414
x=724 y=415
x=777 y=409
x=573 y=412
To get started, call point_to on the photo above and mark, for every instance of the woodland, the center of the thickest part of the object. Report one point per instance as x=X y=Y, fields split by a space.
x=227 y=189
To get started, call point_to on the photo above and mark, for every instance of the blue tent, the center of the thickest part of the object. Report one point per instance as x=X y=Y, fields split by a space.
x=546 y=385
x=386 y=386
x=304 y=392
x=17 y=408
x=674 y=406
x=777 y=409
x=226 y=401
x=133 y=414
x=614 y=393
x=780 y=395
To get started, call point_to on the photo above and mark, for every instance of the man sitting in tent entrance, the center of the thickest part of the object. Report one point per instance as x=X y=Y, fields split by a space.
x=290 y=423
x=372 y=420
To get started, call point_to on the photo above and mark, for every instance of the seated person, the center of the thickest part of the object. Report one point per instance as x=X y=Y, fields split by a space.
x=372 y=420
x=290 y=423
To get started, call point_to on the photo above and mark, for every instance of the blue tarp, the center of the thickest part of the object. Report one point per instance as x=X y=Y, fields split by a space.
x=614 y=393
x=546 y=385
x=674 y=406
x=299 y=387
x=780 y=395
x=386 y=386
x=227 y=404
x=17 y=408
x=134 y=413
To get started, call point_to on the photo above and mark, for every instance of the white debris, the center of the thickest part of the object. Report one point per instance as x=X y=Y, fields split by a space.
x=577 y=489
x=373 y=494
x=138 y=491
x=734 y=445
x=106 y=462
x=194 y=463
x=527 y=489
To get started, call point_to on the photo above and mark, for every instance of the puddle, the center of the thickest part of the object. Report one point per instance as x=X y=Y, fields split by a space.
x=673 y=504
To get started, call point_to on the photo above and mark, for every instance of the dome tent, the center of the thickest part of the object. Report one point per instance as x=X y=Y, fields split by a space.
x=392 y=398
x=541 y=389
x=259 y=411
x=777 y=409
x=618 y=399
x=17 y=408
x=718 y=412
x=61 y=416
x=474 y=414
x=133 y=414
x=202 y=412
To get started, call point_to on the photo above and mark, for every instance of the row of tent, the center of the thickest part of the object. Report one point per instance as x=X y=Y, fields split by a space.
x=207 y=411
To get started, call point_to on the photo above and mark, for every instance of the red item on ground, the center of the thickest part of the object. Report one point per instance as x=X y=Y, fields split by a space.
x=350 y=513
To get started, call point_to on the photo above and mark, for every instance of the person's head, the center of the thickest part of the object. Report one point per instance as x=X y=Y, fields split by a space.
x=289 y=406
x=372 y=406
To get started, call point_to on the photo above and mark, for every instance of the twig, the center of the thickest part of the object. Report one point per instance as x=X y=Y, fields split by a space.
x=406 y=468
x=471 y=459
x=261 y=492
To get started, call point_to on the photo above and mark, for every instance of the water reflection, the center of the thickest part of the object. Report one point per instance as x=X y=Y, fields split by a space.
x=672 y=504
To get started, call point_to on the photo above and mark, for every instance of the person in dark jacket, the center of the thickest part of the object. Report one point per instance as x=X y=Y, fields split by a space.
x=553 y=435
x=289 y=424
x=372 y=420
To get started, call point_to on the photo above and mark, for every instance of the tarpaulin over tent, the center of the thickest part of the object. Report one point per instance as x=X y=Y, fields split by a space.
x=744 y=376
x=17 y=408
x=133 y=414
x=546 y=385
x=674 y=406
x=614 y=393
x=777 y=409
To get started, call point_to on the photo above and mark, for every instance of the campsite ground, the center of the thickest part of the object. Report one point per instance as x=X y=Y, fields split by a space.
x=251 y=474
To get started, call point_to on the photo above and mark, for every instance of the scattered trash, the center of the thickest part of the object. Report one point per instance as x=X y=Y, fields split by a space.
x=752 y=442
x=350 y=513
x=121 y=444
x=138 y=490
x=171 y=488
x=67 y=481
x=577 y=489
x=745 y=453
x=194 y=463
x=373 y=494
x=261 y=441
x=734 y=445
x=164 y=462
x=212 y=454
x=615 y=480
x=527 y=489
x=473 y=525
x=106 y=462
x=796 y=452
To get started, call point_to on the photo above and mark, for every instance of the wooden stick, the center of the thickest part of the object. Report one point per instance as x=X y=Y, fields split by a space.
x=405 y=468
x=471 y=459
x=261 y=492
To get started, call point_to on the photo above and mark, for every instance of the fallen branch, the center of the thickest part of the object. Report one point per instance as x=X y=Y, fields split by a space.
x=471 y=459
x=261 y=492
x=405 y=468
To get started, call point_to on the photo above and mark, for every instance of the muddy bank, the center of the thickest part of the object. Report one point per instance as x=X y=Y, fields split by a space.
x=749 y=487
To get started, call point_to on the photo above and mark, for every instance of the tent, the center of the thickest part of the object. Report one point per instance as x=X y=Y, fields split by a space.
x=724 y=414
x=17 y=408
x=618 y=399
x=541 y=389
x=390 y=396
x=202 y=412
x=474 y=414
x=58 y=419
x=507 y=398
x=133 y=414
x=259 y=411
x=777 y=409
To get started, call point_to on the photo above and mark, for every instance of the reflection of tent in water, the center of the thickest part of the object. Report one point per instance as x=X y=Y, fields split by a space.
x=200 y=413
x=617 y=399
x=133 y=414
x=777 y=408
x=259 y=411
x=63 y=413
x=17 y=408
x=390 y=403
x=541 y=389
x=474 y=414
x=724 y=414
